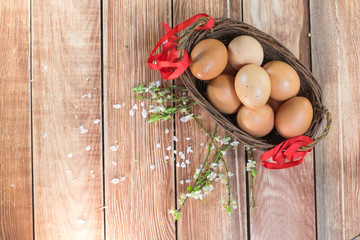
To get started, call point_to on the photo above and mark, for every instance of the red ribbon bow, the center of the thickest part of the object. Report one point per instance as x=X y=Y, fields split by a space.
x=168 y=62
x=286 y=150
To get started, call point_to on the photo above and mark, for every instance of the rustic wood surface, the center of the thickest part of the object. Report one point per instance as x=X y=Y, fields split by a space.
x=15 y=121
x=66 y=94
x=285 y=199
x=137 y=207
x=335 y=55
x=108 y=179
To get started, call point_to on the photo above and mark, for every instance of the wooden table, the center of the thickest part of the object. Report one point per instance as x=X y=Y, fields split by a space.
x=65 y=64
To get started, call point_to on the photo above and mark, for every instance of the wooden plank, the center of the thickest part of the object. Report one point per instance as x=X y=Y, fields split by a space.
x=285 y=198
x=137 y=207
x=67 y=95
x=15 y=138
x=335 y=37
x=209 y=220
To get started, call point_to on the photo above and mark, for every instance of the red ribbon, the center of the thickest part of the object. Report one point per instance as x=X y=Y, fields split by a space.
x=286 y=150
x=168 y=62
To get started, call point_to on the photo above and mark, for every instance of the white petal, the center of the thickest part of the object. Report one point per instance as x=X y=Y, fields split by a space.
x=88 y=148
x=131 y=112
x=116 y=106
x=113 y=148
x=96 y=121
x=70 y=155
x=144 y=113
x=115 y=181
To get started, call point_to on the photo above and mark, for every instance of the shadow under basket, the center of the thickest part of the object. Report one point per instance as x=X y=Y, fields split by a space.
x=225 y=30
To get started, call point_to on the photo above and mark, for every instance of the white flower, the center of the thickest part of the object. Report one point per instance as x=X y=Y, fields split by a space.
x=116 y=106
x=168 y=148
x=131 y=112
x=157 y=83
x=226 y=140
x=213 y=165
x=189 y=150
x=211 y=176
x=181 y=182
x=172 y=211
x=158 y=145
x=183 y=165
x=197 y=172
x=188 y=180
x=207 y=189
x=250 y=165
x=187 y=161
x=186 y=118
x=176 y=139
x=135 y=107
x=230 y=174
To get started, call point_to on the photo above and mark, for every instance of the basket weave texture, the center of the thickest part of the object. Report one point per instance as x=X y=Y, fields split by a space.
x=225 y=30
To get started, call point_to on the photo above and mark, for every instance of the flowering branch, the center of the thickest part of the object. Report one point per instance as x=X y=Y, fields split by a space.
x=208 y=171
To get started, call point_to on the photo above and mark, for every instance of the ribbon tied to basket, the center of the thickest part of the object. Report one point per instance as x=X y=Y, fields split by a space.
x=168 y=62
x=287 y=150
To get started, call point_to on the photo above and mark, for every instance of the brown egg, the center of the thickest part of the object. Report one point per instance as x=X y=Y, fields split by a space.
x=245 y=50
x=252 y=85
x=274 y=104
x=221 y=94
x=294 y=117
x=208 y=59
x=285 y=82
x=229 y=70
x=258 y=122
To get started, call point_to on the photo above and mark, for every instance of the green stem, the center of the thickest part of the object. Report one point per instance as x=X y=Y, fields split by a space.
x=249 y=150
x=220 y=156
x=202 y=168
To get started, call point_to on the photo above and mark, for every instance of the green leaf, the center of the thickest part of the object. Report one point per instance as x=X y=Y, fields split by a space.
x=166 y=117
x=177 y=215
x=170 y=110
x=228 y=209
x=154 y=118
x=253 y=173
x=189 y=188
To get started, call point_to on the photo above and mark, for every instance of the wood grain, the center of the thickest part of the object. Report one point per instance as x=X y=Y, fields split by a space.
x=137 y=207
x=15 y=138
x=209 y=220
x=336 y=49
x=66 y=95
x=285 y=198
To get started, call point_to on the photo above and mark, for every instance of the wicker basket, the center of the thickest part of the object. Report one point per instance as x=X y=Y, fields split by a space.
x=227 y=29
